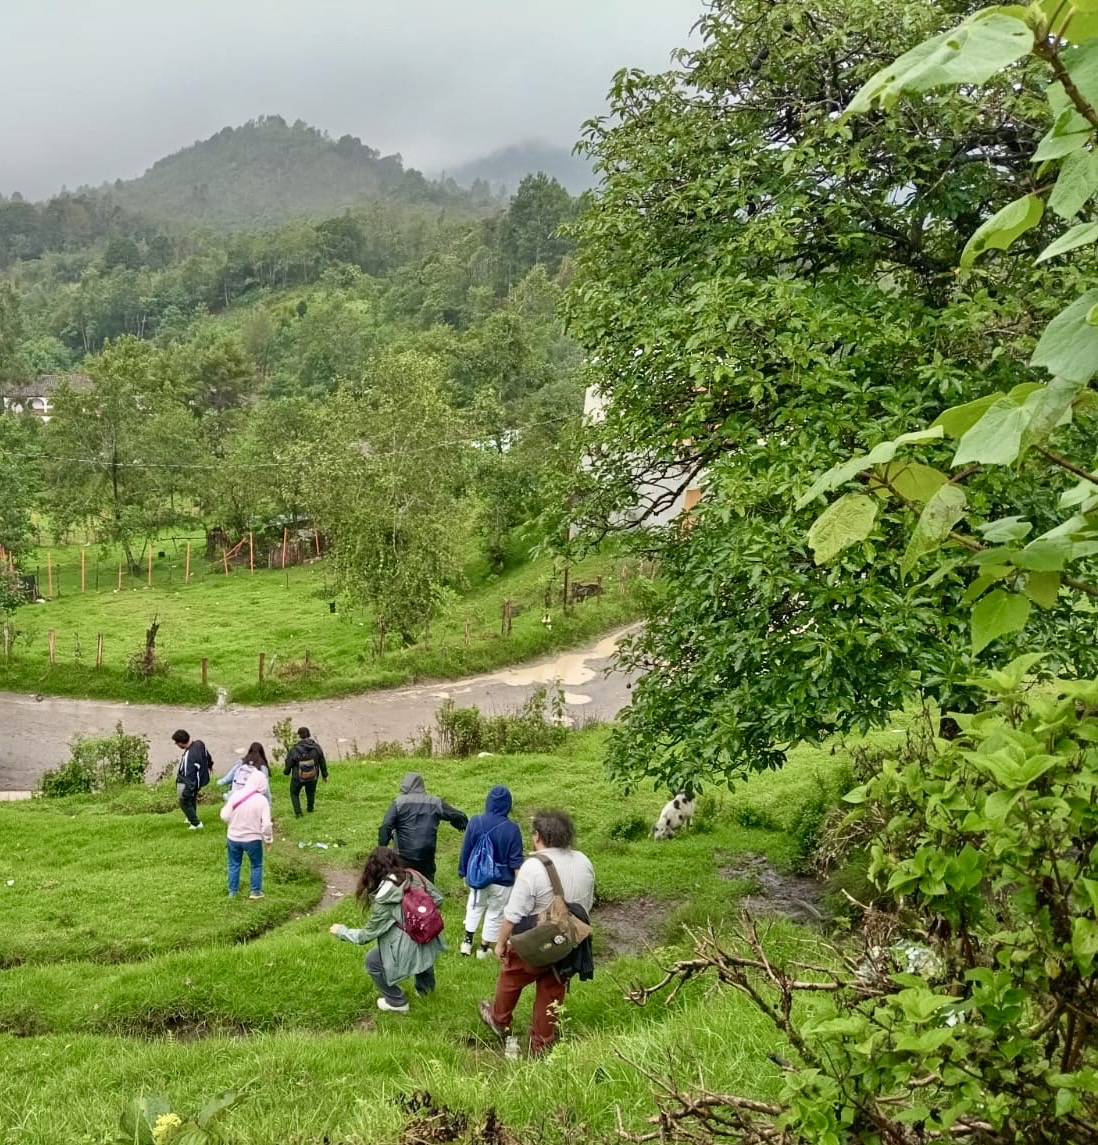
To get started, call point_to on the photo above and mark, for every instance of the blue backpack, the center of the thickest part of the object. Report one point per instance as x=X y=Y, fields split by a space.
x=482 y=869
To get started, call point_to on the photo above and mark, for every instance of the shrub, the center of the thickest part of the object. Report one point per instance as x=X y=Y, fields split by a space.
x=97 y=763
x=462 y=732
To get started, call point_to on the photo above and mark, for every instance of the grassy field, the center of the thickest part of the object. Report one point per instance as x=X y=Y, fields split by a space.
x=309 y=651
x=128 y=972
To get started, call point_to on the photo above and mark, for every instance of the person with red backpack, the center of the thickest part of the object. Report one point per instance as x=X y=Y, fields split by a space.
x=406 y=924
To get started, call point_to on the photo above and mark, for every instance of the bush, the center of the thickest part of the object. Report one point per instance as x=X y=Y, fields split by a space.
x=97 y=763
x=462 y=732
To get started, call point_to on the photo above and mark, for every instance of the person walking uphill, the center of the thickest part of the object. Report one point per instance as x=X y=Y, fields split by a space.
x=305 y=764
x=413 y=817
x=497 y=860
x=533 y=892
x=397 y=956
x=248 y=815
x=192 y=774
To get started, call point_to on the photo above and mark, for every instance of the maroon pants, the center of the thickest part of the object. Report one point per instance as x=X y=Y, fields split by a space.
x=514 y=976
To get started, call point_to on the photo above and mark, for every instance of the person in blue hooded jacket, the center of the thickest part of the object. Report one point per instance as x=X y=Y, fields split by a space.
x=488 y=902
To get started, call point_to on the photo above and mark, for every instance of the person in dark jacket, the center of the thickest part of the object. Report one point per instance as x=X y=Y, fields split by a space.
x=305 y=764
x=413 y=817
x=488 y=901
x=193 y=773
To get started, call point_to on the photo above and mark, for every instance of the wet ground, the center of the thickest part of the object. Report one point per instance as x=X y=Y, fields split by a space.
x=35 y=731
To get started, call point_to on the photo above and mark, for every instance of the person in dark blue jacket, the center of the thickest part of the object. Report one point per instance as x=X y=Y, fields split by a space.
x=488 y=901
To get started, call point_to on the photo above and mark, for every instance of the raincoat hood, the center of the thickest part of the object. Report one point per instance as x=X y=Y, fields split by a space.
x=389 y=891
x=498 y=801
x=413 y=781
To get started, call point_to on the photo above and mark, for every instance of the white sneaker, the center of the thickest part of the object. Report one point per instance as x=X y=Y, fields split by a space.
x=482 y=952
x=195 y=827
x=466 y=948
x=385 y=1004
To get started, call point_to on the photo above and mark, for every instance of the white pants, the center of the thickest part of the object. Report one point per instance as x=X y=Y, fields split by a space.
x=489 y=901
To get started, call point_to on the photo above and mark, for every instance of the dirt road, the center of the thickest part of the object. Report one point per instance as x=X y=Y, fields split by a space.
x=34 y=733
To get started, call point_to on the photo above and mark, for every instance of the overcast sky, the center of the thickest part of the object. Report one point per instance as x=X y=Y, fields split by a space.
x=93 y=90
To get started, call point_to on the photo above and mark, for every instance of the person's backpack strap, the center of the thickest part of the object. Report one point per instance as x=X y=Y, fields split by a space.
x=551 y=871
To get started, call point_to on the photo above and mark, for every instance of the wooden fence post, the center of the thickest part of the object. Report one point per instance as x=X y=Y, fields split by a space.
x=262 y=660
x=150 y=566
x=467 y=632
x=49 y=576
x=7 y=641
x=99 y=650
x=622 y=576
x=285 y=543
x=82 y=568
x=225 y=560
x=251 y=551
x=205 y=671
x=51 y=643
x=316 y=541
x=119 y=576
x=187 y=574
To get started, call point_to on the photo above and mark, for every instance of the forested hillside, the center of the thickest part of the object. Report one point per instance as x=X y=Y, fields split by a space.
x=508 y=166
x=240 y=382
x=267 y=172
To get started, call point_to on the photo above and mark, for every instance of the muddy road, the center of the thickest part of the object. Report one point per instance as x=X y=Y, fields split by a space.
x=35 y=733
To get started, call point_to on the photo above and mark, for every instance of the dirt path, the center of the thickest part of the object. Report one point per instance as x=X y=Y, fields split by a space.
x=35 y=732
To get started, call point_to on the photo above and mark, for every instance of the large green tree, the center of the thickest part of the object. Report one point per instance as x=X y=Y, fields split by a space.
x=386 y=488
x=760 y=290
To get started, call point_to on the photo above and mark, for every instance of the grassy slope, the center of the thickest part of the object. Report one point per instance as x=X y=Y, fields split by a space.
x=128 y=944
x=285 y=616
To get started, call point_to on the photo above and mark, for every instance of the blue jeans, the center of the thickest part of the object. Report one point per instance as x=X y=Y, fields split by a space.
x=254 y=850
x=425 y=980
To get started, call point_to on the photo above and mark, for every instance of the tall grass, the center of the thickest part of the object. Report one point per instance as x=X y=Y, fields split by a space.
x=129 y=972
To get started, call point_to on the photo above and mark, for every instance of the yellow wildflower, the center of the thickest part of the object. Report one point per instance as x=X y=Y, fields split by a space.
x=165 y=1127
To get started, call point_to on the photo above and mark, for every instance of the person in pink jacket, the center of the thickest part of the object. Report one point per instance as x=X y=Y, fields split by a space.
x=248 y=815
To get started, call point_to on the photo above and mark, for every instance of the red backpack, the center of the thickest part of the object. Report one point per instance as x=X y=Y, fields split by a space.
x=422 y=918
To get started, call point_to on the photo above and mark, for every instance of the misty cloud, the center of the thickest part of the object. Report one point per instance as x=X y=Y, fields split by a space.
x=92 y=92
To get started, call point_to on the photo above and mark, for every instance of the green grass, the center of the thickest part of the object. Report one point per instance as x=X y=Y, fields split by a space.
x=310 y=652
x=129 y=972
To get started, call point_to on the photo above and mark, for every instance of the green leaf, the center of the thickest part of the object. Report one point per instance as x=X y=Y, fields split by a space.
x=1077 y=181
x=973 y=52
x=998 y=614
x=912 y=481
x=957 y=420
x=1005 y=529
x=1057 y=143
x=1082 y=235
x=996 y=439
x=1045 y=554
x=1048 y=409
x=1007 y=224
x=216 y=1106
x=841 y=524
x=981 y=584
x=1043 y=588
x=140 y=1115
x=938 y=517
x=1068 y=347
x=1078 y=494
x=1076 y=20
x=880 y=454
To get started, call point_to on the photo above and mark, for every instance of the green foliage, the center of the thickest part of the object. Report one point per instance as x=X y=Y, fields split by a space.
x=536 y=727
x=150 y=1120
x=98 y=763
x=757 y=301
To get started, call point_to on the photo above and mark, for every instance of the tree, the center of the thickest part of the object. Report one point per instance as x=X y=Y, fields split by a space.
x=18 y=481
x=386 y=487
x=757 y=298
x=113 y=452
x=530 y=234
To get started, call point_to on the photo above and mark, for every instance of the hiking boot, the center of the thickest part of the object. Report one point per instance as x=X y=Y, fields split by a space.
x=483 y=952
x=486 y=1017
x=385 y=1004
x=466 y=948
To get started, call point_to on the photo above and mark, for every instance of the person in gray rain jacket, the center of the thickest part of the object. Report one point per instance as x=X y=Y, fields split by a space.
x=396 y=956
x=413 y=817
